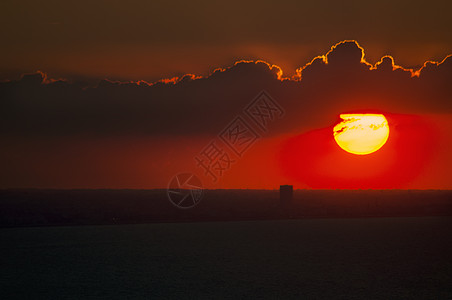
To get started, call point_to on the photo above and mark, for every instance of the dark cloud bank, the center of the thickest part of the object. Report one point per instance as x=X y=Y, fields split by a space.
x=337 y=82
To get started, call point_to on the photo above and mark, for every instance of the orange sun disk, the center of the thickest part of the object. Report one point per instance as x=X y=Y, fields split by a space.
x=361 y=134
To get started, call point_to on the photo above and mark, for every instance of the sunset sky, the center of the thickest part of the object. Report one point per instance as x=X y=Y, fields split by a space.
x=126 y=94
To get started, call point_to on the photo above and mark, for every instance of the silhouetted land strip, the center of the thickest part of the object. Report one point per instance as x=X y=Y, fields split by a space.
x=35 y=207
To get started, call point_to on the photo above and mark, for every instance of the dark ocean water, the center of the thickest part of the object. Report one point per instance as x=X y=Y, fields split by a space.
x=376 y=258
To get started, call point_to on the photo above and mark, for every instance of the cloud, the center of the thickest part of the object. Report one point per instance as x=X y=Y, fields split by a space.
x=341 y=80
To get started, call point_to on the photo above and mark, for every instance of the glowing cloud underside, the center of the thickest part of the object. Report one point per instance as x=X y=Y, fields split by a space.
x=361 y=134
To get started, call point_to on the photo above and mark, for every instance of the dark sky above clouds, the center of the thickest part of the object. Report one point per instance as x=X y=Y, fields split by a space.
x=149 y=40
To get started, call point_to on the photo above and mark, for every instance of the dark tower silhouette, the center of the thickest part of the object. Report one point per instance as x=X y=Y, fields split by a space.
x=285 y=195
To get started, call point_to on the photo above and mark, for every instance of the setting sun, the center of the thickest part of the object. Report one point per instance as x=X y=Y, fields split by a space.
x=361 y=134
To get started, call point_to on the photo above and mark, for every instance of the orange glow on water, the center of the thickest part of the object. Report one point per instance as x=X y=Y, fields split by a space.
x=361 y=134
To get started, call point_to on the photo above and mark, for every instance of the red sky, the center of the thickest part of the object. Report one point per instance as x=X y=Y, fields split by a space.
x=127 y=135
x=151 y=162
x=93 y=94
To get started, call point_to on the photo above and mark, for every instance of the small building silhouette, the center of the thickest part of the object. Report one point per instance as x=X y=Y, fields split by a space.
x=285 y=194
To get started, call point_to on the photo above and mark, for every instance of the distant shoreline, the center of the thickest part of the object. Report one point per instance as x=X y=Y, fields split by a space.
x=55 y=207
